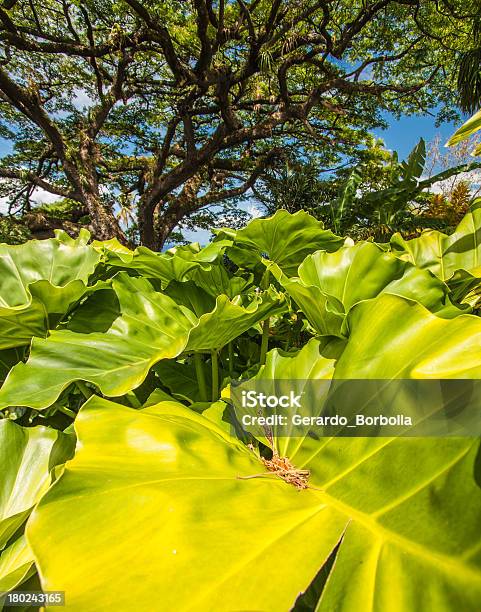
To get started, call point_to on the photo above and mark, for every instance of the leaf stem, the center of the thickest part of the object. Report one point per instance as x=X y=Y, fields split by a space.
x=266 y=323
x=82 y=387
x=215 y=375
x=199 y=372
x=133 y=400
x=67 y=411
x=230 y=348
x=264 y=341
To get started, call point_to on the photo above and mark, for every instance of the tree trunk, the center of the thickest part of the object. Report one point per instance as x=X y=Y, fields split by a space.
x=157 y=222
x=102 y=221
x=165 y=223
x=148 y=235
x=154 y=232
x=164 y=229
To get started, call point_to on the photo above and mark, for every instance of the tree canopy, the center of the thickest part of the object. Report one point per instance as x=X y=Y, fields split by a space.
x=169 y=108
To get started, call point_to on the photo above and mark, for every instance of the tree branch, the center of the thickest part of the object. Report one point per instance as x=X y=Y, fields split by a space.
x=34 y=179
x=202 y=20
x=160 y=34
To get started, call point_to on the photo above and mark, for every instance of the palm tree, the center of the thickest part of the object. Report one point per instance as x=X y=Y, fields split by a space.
x=469 y=75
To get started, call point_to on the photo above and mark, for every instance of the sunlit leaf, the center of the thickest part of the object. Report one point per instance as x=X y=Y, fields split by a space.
x=283 y=238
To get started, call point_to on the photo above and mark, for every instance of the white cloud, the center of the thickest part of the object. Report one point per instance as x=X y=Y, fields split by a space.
x=82 y=99
x=38 y=198
x=254 y=211
x=473 y=177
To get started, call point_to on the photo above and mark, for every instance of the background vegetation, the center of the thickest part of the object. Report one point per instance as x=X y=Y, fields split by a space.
x=149 y=117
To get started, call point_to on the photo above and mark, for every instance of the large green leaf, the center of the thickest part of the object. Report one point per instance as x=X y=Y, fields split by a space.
x=39 y=281
x=283 y=238
x=207 y=254
x=231 y=318
x=16 y=565
x=150 y=327
x=176 y=264
x=168 y=478
x=26 y=457
x=391 y=337
x=330 y=284
x=292 y=372
x=216 y=280
x=363 y=271
x=399 y=508
x=222 y=320
x=444 y=255
x=405 y=547
x=323 y=312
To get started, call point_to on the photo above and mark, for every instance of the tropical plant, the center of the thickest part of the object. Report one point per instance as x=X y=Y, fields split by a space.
x=379 y=196
x=468 y=129
x=469 y=74
x=166 y=502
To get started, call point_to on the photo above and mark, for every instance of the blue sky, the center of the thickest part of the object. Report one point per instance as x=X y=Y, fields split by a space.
x=403 y=134
x=4 y=147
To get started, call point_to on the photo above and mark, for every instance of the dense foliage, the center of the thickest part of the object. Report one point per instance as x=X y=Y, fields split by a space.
x=131 y=353
x=381 y=196
x=171 y=110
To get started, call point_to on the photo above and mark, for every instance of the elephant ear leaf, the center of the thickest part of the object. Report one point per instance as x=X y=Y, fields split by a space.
x=231 y=318
x=216 y=280
x=174 y=265
x=455 y=259
x=431 y=347
x=24 y=456
x=150 y=327
x=364 y=271
x=283 y=238
x=193 y=484
x=329 y=285
x=39 y=281
x=16 y=566
x=207 y=254
x=27 y=456
x=284 y=373
x=239 y=543
x=400 y=528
